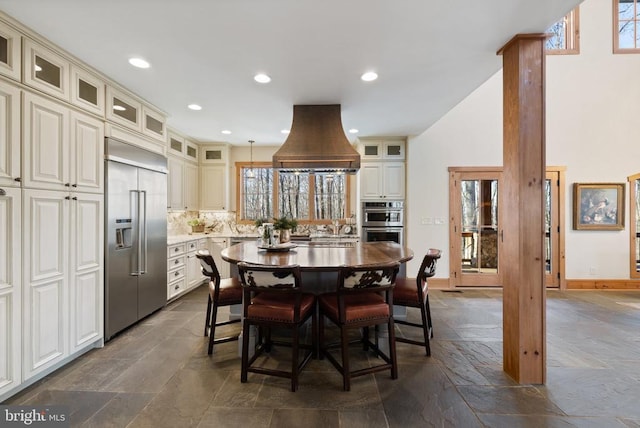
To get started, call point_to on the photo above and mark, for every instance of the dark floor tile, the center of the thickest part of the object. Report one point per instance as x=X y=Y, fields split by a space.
x=515 y=400
x=232 y=418
x=594 y=392
x=183 y=400
x=235 y=394
x=82 y=405
x=119 y=411
x=423 y=396
x=362 y=419
x=535 y=421
x=309 y=418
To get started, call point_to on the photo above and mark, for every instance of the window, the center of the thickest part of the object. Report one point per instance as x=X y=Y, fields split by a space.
x=626 y=37
x=565 y=36
x=310 y=198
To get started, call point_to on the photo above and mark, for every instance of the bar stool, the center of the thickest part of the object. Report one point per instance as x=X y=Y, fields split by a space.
x=272 y=299
x=416 y=295
x=222 y=292
x=364 y=298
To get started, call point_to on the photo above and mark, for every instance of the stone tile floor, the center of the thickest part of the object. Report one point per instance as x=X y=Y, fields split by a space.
x=157 y=374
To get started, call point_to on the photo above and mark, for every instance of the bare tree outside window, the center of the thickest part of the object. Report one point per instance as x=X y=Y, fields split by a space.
x=564 y=35
x=626 y=37
x=330 y=200
x=257 y=193
x=265 y=194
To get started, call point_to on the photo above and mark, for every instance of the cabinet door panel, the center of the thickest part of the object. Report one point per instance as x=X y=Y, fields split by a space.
x=45 y=323
x=9 y=134
x=87 y=153
x=213 y=187
x=394 y=180
x=86 y=320
x=176 y=182
x=10 y=290
x=45 y=70
x=45 y=279
x=45 y=143
x=10 y=52
x=370 y=181
x=191 y=187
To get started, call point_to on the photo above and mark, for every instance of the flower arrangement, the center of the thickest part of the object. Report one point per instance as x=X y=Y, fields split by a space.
x=285 y=223
x=197 y=224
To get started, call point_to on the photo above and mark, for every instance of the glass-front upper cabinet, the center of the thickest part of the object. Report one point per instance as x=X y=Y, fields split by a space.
x=46 y=70
x=153 y=124
x=87 y=90
x=634 y=225
x=123 y=109
x=9 y=52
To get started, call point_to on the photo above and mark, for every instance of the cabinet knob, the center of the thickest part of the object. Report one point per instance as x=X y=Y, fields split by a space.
x=17 y=179
x=75 y=198
x=2 y=192
x=74 y=185
x=67 y=197
x=67 y=184
x=176 y=287
x=176 y=274
x=176 y=262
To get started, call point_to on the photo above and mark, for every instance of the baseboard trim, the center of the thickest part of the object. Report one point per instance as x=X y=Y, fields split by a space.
x=603 y=284
x=572 y=284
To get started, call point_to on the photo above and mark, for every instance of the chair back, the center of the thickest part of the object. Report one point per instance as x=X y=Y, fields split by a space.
x=208 y=265
x=367 y=278
x=269 y=278
x=428 y=266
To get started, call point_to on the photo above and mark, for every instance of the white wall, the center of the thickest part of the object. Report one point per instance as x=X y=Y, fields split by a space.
x=592 y=105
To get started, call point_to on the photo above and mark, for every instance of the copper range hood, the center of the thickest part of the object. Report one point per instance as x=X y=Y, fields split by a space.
x=316 y=142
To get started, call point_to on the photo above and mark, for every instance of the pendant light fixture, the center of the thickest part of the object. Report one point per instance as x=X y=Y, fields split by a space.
x=250 y=174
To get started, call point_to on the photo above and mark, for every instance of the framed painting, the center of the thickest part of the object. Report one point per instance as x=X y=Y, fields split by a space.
x=598 y=206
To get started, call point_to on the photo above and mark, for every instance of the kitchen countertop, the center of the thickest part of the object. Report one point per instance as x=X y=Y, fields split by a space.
x=176 y=239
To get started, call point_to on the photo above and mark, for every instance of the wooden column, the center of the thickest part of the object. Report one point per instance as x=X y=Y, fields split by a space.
x=522 y=254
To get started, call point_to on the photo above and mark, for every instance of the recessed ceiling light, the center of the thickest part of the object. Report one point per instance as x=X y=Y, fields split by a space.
x=285 y=131
x=262 y=78
x=139 y=62
x=195 y=107
x=369 y=76
x=353 y=131
x=226 y=132
x=119 y=107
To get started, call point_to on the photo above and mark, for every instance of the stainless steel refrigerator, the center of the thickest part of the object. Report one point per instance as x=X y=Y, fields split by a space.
x=135 y=234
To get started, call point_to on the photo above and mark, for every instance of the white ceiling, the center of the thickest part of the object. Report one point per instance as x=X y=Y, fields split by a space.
x=429 y=55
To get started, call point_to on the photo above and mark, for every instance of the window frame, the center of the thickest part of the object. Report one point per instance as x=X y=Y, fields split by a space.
x=572 y=33
x=616 y=33
x=275 y=197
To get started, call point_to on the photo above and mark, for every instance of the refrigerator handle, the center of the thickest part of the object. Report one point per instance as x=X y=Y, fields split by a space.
x=143 y=220
x=135 y=203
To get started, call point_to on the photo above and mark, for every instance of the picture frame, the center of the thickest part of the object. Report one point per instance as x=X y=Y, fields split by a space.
x=598 y=206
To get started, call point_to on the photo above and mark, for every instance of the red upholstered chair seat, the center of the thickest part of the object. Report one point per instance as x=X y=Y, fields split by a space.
x=230 y=291
x=278 y=308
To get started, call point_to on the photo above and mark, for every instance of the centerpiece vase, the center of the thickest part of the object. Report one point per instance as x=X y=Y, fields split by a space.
x=285 y=235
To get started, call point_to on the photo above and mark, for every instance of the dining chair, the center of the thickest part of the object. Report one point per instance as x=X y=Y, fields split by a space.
x=364 y=298
x=272 y=298
x=416 y=295
x=222 y=292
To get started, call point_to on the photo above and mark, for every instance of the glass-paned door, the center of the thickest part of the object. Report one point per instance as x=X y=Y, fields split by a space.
x=475 y=228
x=552 y=229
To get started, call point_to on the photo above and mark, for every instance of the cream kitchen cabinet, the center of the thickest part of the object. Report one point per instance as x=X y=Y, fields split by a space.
x=87 y=91
x=213 y=187
x=382 y=149
x=62 y=149
x=194 y=271
x=10 y=289
x=154 y=124
x=45 y=70
x=9 y=135
x=62 y=276
x=10 y=63
x=382 y=180
x=183 y=185
x=176 y=270
x=190 y=186
x=216 y=245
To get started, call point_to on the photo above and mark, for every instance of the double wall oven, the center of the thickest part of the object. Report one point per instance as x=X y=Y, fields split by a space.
x=383 y=221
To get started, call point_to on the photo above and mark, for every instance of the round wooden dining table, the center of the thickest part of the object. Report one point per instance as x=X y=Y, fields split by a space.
x=320 y=262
